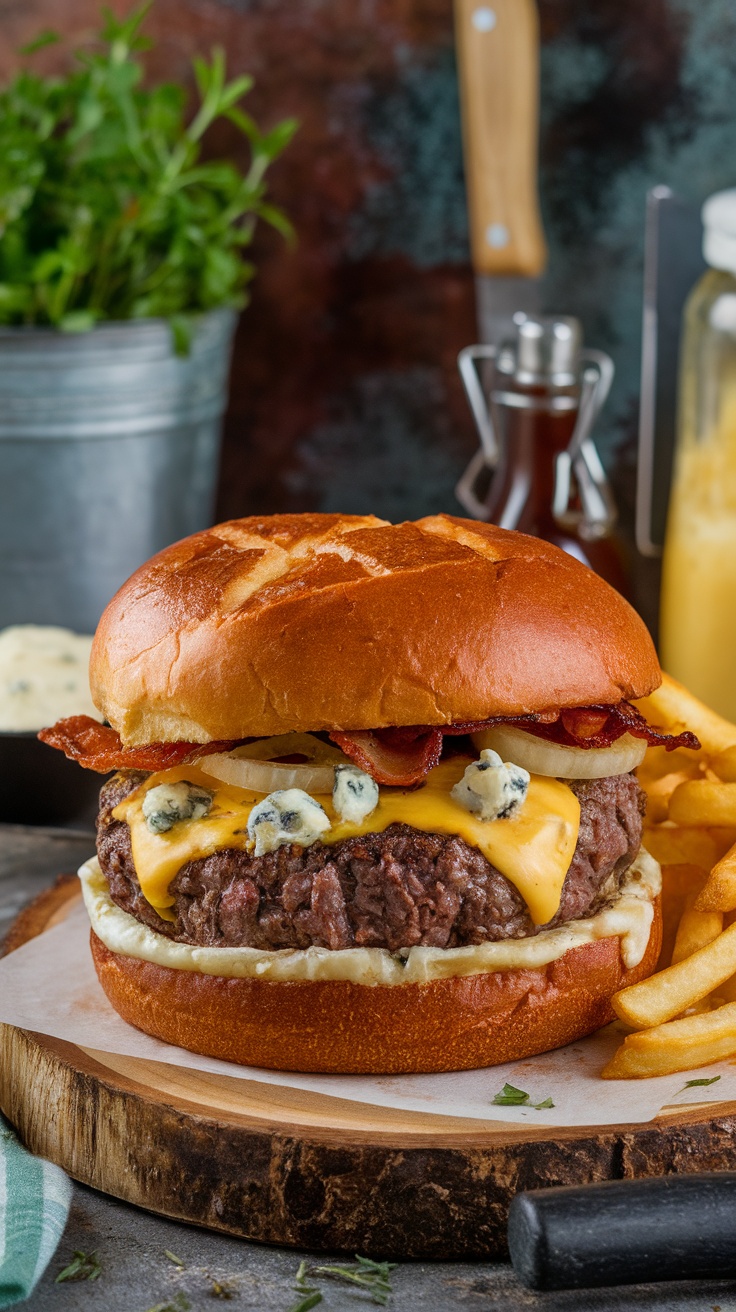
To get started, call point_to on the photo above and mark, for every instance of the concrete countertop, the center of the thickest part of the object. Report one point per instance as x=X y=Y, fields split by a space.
x=137 y=1275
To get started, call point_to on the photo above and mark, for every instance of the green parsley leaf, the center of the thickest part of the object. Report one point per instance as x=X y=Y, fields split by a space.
x=110 y=208
x=695 y=1084
x=83 y=1266
x=225 y=1289
x=47 y=38
x=312 y=1295
x=511 y=1097
x=373 y=1277
x=304 y=1304
x=179 y=1303
x=77 y=321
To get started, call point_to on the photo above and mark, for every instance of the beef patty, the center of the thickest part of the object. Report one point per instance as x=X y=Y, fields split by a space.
x=394 y=890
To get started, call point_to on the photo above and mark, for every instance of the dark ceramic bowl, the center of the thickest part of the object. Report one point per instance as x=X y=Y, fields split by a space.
x=39 y=786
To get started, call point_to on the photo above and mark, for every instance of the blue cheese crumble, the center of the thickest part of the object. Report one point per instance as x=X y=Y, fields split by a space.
x=166 y=804
x=355 y=794
x=287 y=816
x=491 y=788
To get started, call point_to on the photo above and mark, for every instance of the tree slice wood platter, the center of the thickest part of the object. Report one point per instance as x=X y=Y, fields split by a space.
x=289 y=1167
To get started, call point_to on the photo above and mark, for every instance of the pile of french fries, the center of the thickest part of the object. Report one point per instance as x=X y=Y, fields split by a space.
x=684 y=1016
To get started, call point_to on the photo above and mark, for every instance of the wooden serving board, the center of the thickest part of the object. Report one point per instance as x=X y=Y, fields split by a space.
x=291 y=1167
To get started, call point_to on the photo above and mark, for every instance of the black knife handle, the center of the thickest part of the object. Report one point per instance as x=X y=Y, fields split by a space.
x=625 y=1232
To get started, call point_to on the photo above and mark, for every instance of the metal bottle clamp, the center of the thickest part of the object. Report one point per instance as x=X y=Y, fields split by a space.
x=545 y=352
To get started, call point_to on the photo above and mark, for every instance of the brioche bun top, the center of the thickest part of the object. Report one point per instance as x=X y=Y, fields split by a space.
x=266 y=625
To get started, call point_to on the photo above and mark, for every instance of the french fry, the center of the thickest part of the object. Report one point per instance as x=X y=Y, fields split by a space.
x=673 y=708
x=670 y=845
x=724 y=765
x=679 y=1045
x=658 y=762
x=686 y=1014
x=719 y=891
x=724 y=838
x=701 y=802
x=659 y=791
x=726 y=990
x=673 y=990
x=680 y=884
x=696 y=930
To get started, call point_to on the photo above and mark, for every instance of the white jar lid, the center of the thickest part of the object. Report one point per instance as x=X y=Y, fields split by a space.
x=719 y=238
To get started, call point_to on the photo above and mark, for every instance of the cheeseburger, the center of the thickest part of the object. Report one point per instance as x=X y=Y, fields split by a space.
x=375 y=806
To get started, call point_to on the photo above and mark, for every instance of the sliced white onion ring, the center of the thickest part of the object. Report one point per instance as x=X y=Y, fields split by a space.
x=253 y=767
x=541 y=757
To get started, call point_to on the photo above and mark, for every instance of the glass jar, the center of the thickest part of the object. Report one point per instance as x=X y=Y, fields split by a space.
x=698 y=603
x=535 y=403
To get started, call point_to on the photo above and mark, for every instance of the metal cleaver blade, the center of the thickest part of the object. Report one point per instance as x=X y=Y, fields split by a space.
x=498 y=299
x=673 y=263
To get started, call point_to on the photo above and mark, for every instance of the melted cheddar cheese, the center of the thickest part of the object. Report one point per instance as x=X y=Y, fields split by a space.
x=533 y=848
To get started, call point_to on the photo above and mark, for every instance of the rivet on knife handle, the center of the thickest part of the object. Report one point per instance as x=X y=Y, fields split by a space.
x=498 y=59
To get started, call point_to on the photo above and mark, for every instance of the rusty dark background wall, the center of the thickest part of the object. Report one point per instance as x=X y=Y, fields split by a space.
x=344 y=389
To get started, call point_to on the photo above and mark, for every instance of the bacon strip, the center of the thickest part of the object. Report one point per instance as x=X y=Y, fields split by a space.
x=404 y=756
x=401 y=757
x=476 y=726
x=600 y=726
x=98 y=747
x=634 y=723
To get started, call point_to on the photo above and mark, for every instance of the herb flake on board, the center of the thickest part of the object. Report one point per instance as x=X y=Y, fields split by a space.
x=311 y=1296
x=696 y=1084
x=374 y=1278
x=224 y=1289
x=309 y=1301
x=83 y=1266
x=179 y=1303
x=509 y=1096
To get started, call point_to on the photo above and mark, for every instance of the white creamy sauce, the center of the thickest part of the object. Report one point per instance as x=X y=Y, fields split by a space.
x=43 y=677
x=627 y=916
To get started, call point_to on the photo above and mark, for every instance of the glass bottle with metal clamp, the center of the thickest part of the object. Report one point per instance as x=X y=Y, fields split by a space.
x=535 y=400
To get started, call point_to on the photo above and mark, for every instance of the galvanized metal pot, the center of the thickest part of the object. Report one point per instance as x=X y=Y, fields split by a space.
x=109 y=446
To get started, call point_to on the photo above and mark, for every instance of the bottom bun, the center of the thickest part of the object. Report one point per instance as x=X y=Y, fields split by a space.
x=460 y=1023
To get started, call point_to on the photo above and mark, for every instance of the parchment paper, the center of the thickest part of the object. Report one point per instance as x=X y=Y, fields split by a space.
x=49 y=986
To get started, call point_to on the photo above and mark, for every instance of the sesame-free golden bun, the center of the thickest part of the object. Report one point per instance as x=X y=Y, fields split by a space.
x=462 y=1022
x=283 y=623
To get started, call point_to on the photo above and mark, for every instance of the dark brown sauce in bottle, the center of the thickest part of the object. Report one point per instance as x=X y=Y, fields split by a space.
x=535 y=418
x=531 y=441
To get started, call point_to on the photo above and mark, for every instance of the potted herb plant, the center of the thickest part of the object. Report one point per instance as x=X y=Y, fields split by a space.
x=121 y=274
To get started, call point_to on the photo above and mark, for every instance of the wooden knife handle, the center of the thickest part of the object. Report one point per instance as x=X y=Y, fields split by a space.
x=621 y=1232
x=498 y=62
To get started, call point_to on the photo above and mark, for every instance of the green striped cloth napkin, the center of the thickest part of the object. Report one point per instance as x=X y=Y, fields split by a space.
x=34 y=1205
